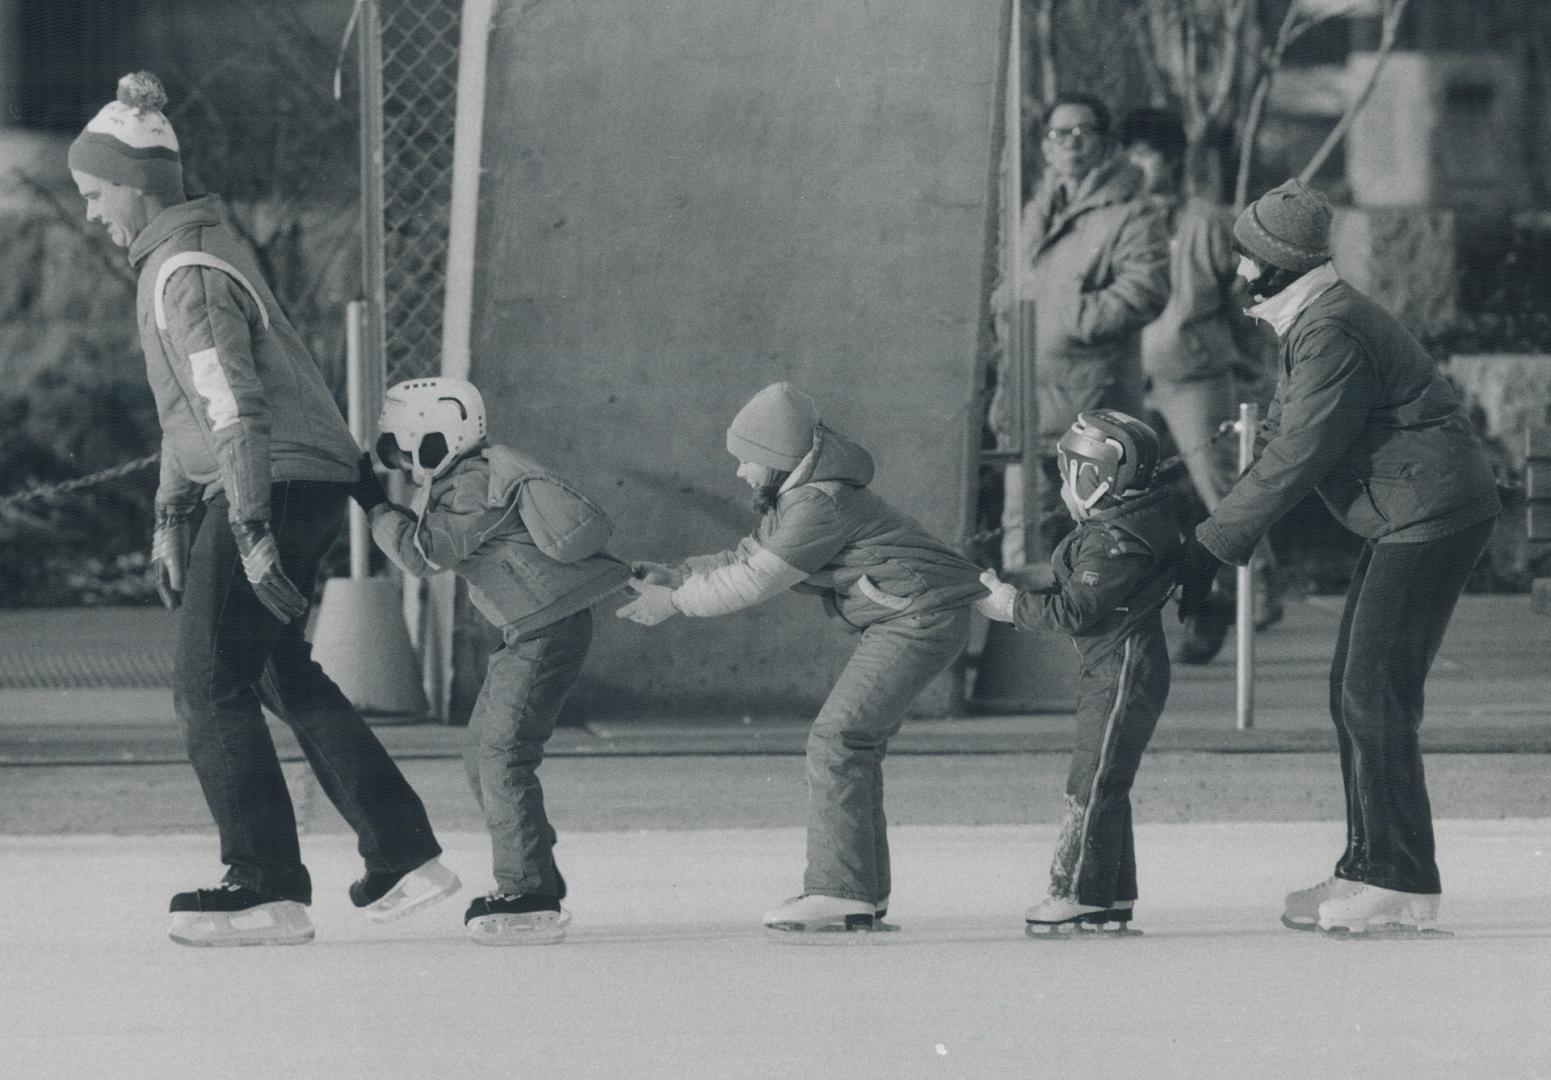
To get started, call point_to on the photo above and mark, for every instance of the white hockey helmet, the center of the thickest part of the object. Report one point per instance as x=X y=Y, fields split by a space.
x=429 y=423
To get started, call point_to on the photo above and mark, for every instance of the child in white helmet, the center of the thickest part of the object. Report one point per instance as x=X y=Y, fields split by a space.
x=822 y=530
x=531 y=549
x=1112 y=575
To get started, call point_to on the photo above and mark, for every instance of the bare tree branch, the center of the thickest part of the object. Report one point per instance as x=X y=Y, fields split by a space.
x=1394 y=9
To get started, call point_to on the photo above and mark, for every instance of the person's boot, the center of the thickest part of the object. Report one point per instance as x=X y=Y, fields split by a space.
x=230 y=914
x=1205 y=631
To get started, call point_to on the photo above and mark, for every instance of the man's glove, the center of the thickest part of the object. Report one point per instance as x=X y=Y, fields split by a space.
x=261 y=563
x=1197 y=571
x=653 y=603
x=655 y=573
x=367 y=491
x=169 y=554
x=1004 y=597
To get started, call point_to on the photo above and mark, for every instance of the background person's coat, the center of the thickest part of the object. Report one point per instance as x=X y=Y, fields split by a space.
x=1097 y=273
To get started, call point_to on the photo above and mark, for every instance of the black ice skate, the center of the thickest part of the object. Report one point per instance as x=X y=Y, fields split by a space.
x=392 y=895
x=1060 y=918
x=231 y=914
x=813 y=918
x=515 y=919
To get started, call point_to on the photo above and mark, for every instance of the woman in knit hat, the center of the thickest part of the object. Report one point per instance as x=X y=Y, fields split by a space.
x=823 y=531
x=1362 y=416
x=256 y=467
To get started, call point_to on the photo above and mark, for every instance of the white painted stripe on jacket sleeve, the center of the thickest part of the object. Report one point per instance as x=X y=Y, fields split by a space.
x=211 y=382
x=199 y=258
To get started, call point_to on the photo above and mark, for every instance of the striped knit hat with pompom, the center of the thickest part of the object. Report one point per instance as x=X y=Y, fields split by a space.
x=130 y=142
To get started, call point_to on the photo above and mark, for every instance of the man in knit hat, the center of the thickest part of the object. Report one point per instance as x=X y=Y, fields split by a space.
x=823 y=530
x=1361 y=416
x=256 y=467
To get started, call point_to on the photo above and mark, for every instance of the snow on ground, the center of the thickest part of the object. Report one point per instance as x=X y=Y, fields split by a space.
x=666 y=973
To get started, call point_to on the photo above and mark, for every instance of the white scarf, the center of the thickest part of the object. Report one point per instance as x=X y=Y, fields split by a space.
x=1283 y=308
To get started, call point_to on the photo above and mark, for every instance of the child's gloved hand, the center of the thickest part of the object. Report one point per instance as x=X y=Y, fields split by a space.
x=1004 y=597
x=367 y=491
x=653 y=603
x=657 y=574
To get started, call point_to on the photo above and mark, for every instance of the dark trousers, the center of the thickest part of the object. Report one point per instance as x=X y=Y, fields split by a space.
x=1119 y=701
x=1397 y=609
x=526 y=683
x=234 y=655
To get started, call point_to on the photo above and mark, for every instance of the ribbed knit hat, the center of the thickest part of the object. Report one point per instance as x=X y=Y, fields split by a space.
x=775 y=428
x=1288 y=226
x=130 y=142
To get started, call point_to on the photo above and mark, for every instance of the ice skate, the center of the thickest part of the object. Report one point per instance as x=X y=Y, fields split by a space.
x=1060 y=917
x=236 y=915
x=389 y=896
x=1375 y=913
x=515 y=919
x=812 y=917
x=1300 y=911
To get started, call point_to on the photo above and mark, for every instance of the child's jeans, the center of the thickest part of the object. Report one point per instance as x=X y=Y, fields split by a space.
x=232 y=655
x=526 y=682
x=848 y=843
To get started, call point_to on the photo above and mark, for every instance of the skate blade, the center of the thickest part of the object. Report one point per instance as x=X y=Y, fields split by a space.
x=418 y=889
x=1386 y=932
x=1077 y=931
x=1300 y=924
x=542 y=928
x=281 y=923
x=874 y=932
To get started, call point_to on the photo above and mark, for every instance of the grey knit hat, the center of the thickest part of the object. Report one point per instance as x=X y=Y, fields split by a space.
x=775 y=428
x=1288 y=226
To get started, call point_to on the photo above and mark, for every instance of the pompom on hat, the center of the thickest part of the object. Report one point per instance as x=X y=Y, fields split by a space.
x=1288 y=226
x=130 y=142
x=775 y=429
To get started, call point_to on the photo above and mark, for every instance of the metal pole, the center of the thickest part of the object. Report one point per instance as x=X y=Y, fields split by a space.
x=356 y=414
x=1017 y=363
x=373 y=289
x=1249 y=421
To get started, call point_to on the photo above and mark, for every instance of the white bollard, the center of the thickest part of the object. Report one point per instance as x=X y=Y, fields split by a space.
x=1248 y=422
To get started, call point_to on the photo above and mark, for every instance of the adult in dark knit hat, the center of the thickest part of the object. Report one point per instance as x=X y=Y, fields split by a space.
x=256 y=468
x=1361 y=416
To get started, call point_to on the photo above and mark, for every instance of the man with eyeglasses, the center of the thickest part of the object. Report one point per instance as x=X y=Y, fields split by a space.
x=1096 y=272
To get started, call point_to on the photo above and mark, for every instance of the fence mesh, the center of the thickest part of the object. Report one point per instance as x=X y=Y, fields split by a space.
x=419 y=103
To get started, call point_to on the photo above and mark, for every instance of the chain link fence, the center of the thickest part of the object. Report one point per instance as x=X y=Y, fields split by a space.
x=419 y=105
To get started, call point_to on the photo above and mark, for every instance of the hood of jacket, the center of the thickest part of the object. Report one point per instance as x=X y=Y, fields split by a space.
x=1150 y=516
x=1113 y=181
x=833 y=457
x=194 y=214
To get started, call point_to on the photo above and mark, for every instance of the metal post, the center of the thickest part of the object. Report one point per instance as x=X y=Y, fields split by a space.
x=356 y=414
x=1017 y=363
x=373 y=288
x=1249 y=421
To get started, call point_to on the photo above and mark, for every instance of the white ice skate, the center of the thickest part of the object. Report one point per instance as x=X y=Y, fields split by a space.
x=813 y=918
x=278 y=922
x=1063 y=918
x=1372 y=912
x=421 y=887
x=1300 y=911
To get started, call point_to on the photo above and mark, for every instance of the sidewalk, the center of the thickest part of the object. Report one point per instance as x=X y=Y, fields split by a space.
x=89 y=686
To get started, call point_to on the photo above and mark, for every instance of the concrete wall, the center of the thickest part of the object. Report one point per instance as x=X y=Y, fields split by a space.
x=688 y=199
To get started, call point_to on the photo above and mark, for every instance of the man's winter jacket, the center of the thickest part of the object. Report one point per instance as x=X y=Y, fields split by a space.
x=241 y=401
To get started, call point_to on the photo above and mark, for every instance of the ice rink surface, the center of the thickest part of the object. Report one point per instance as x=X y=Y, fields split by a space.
x=666 y=973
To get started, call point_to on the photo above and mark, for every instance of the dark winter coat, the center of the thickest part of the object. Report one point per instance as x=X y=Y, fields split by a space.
x=1362 y=416
x=1113 y=573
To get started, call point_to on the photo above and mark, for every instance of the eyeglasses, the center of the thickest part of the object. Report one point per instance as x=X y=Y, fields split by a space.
x=1070 y=134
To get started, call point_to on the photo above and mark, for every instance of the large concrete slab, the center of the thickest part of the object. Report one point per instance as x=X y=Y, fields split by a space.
x=666 y=975
x=688 y=199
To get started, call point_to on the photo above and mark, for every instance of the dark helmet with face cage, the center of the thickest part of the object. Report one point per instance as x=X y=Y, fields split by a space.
x=1107 y=453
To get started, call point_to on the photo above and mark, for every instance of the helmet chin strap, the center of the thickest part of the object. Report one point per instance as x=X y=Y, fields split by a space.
x=1098 y=493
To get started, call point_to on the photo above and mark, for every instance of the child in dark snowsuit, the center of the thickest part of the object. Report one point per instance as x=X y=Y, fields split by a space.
x=531 y=550
x=1112 y=575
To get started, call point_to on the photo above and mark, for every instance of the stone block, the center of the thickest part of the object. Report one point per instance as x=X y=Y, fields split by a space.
x=1403 y=259
x=1513 y=391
